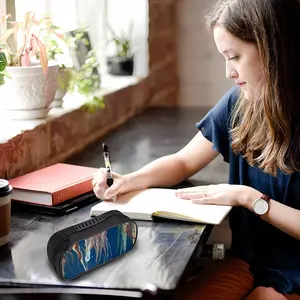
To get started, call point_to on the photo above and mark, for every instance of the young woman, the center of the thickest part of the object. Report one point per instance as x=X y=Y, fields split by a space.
x=255 y=127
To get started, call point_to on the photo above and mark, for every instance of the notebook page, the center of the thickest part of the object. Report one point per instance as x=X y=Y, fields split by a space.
x=144 y=202
x=141 y=204
x=204 y=213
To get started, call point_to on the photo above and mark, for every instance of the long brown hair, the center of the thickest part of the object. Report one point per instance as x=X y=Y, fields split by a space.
x=266 y=131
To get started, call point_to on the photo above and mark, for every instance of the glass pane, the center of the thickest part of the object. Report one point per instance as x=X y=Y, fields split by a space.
x=23 y=6
x=2 y=7
x=120 y=14
x=90 y=14
x=64 y=14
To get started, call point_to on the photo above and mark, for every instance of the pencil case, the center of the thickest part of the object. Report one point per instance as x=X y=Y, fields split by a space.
x=80 y=248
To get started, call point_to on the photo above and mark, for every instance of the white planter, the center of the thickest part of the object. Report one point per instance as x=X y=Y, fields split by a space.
x=28 y=93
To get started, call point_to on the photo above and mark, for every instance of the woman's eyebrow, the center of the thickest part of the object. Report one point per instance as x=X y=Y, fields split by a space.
x=228 y=50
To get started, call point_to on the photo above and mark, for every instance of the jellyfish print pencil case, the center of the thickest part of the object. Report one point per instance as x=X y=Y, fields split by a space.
x=83 y=247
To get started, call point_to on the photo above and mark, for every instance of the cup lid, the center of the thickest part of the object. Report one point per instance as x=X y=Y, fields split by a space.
x=5 y=187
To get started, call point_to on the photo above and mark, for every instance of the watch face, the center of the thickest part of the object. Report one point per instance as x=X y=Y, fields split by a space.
x=260 y=206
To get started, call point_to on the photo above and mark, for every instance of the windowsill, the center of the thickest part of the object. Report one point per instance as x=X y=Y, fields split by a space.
x=109 y=84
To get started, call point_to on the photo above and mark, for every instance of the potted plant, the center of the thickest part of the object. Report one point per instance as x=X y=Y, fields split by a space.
x=32 y=83
x=85 y=79
x=57 y=50
x=121 y=63
x=86 y=82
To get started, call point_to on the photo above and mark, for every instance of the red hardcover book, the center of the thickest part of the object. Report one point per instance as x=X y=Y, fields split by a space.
x=53 y=185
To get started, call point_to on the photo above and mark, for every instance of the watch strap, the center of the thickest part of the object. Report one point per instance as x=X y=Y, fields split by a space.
x=265 y=197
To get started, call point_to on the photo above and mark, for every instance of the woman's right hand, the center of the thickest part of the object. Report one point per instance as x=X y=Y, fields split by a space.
x=102 y=190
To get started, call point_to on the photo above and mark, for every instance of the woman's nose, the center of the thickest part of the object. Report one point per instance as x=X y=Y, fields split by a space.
x=231 y=73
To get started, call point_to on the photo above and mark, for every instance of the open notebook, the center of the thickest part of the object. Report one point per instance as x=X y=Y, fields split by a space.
x=160 y=202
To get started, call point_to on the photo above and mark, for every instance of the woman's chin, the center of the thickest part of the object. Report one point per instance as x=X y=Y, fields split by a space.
x=248 y=95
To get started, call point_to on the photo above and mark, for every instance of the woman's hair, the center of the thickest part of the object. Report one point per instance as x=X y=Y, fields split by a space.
x=266 y=131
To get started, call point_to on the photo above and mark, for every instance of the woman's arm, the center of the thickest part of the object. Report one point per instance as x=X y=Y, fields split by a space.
x=173 y=169
x=166 y=171
x=279 y=215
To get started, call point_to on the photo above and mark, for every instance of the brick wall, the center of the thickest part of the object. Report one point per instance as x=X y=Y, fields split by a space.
x=64 y=136
x=202 y=68
x=185 y=67
x=163 y=54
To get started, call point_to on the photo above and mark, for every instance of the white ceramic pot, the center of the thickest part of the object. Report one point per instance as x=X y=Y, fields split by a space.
x=28 y=93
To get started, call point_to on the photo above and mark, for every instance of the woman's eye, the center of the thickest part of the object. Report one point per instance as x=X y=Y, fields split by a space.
x=233 y=58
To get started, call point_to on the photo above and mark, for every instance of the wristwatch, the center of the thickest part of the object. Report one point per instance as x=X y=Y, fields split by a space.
x=260 y=206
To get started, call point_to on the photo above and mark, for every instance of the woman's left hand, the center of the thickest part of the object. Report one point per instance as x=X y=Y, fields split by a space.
x=221 y=194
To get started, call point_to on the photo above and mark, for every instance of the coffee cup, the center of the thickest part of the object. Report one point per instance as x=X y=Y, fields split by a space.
x=5 y=211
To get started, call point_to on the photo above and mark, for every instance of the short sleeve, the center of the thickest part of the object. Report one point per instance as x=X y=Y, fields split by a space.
x=215 y=125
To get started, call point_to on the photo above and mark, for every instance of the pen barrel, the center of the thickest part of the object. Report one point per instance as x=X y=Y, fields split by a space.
x=110 y=181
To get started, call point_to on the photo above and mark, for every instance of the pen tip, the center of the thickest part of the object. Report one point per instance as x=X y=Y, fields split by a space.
x=104 y=147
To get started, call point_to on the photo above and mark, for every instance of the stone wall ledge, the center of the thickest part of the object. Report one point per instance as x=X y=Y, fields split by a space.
x=68 y=130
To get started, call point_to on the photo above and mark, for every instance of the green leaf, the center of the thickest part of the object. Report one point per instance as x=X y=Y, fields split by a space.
x=3 y=61
x=5 y=73
x=93 y=103
x=2 y=81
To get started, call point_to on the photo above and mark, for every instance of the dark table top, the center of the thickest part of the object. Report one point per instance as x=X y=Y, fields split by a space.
x=159 y=257
x=163 y=249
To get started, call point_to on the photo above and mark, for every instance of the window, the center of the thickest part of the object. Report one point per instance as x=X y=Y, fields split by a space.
x=2 y=7
x=119 y=14
x=71 y=14
x=21 y=6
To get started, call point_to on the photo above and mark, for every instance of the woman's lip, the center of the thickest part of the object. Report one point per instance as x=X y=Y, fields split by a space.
x=242 y=83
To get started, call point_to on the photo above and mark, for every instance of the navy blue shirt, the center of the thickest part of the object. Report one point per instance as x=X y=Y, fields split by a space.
x=268 y=250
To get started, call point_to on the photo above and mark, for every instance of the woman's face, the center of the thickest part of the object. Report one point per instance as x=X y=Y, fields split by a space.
x=243 y=63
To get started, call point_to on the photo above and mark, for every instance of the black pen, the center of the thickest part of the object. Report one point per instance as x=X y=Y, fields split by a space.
x=107 y=162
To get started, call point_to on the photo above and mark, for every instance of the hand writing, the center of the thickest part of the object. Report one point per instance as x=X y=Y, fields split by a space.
x=100 y=188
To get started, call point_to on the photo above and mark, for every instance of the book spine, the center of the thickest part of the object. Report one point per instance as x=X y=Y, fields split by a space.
x=70 y=192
